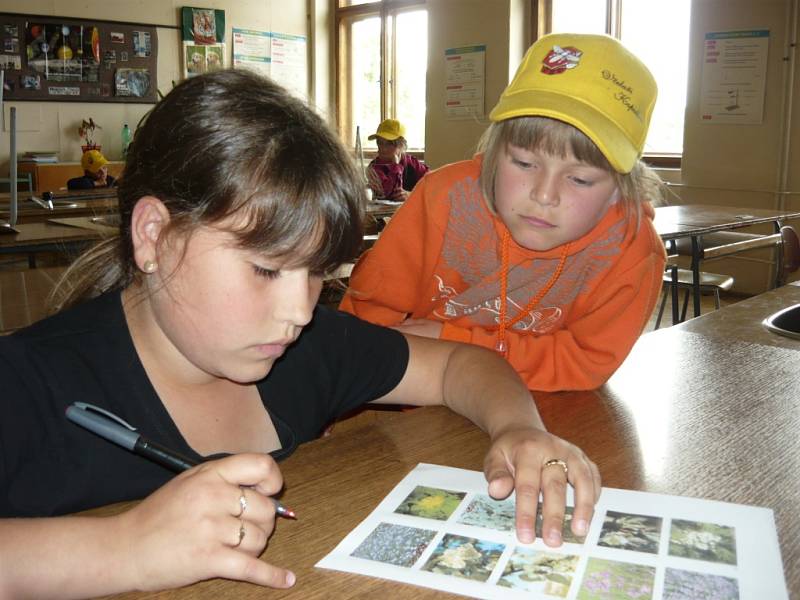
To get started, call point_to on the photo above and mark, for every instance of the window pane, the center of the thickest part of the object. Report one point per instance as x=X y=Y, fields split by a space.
x=411 y=64
x=658 y=33
x=346 y=3
x=364 y=78
x=579 y=16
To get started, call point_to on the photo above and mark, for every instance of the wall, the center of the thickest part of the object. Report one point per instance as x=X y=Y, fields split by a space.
x=745 y=165
x=54 y=125
x=454 y=23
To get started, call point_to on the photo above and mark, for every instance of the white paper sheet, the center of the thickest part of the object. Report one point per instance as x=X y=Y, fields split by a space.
x=639 y=545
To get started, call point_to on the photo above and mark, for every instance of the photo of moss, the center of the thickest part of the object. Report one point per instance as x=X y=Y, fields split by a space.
x=626 y=531
x=703 y=541
x=464 y=557
x=546 y=573
x=613 y=580
x=394 y=544
x=566 y=530
x=430 y=503
x=485 y=511
x=687 y=585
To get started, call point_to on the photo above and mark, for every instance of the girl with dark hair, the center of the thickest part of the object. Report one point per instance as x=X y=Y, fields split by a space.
x=198 y=324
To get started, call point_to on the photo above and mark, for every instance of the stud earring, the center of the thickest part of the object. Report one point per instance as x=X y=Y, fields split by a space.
x=149 y=266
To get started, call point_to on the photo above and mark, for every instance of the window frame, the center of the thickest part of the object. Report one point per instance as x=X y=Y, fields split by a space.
x=388 y=71
x=542 y=24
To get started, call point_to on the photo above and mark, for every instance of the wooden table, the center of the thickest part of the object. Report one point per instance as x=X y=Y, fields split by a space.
x=65 y=204
x=708 y=409
x=696 y=220
x=33 y=238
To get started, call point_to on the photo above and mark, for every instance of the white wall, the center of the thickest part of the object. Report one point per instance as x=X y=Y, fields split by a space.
x=54 y=125
x=455 y=23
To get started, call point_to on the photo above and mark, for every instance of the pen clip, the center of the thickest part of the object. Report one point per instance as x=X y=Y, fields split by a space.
x=104 y=412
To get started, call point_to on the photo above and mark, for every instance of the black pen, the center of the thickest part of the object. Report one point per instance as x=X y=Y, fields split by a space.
x=109 y=426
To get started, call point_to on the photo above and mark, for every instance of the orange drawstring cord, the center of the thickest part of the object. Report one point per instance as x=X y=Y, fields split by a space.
x=500 y=346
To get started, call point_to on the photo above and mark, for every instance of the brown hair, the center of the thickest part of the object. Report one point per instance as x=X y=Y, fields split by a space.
x=557 y=138
x=227 y=143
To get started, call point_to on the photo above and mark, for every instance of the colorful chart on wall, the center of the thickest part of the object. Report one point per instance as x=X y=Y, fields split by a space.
x=439 y=529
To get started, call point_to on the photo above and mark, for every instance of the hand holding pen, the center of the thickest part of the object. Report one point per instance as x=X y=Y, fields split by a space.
x=209 y=521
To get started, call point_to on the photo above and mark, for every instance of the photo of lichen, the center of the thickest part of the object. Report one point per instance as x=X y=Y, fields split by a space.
x=546 y=573
x=464 y=557
x=430 y=503
x=626 y=531
x=394 y=544
x=485 y=511
x=703 y=541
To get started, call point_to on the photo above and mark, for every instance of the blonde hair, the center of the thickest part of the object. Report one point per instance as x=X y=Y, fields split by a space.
x=557 y=138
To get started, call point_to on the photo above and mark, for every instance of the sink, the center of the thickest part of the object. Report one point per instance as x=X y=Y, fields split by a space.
x=785 y=322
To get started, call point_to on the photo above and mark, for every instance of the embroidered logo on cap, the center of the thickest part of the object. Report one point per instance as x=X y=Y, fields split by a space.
x=560 y=59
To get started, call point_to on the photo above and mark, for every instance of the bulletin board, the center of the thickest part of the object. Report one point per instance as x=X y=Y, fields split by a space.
x=66 y=59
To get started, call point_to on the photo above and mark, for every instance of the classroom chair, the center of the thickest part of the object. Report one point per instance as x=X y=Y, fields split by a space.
x=710 y=283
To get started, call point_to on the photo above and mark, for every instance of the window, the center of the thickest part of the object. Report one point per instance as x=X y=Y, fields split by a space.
x=382 y=60
x=658 y=33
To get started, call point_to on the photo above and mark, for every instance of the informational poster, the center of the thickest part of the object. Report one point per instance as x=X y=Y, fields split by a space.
x=439 y=529
x=465 y=82
x=289 y=62
x=734 y=77
x=251 y=50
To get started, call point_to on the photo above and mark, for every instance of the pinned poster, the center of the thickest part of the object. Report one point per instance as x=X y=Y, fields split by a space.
x=734 y=77
x=202 y=26
x=289 y=62
x=251 y=50
x=465 y=82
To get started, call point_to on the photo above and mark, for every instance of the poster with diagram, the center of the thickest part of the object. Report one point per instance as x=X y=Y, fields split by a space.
x=734 y=77
x=439 y=529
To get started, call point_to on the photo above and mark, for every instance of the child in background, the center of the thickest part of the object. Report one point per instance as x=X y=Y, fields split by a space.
x=198 y=325
x=95 y=173
x=393 y=173
x=541 y=247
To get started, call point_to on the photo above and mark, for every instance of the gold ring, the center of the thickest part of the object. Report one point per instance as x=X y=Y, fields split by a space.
x=556 y=461
x=242 y=504
x=241 y=533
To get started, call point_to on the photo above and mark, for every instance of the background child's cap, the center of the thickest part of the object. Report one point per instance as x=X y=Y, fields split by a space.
x=389 y=129
x=93 y=161
x=591 y=82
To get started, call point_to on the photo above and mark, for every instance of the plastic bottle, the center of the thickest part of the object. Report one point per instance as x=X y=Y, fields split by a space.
x=126 y=139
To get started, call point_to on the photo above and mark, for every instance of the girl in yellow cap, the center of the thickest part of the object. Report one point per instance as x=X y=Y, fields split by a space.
x=542 y=246
x=393 y=173
x=95 y=173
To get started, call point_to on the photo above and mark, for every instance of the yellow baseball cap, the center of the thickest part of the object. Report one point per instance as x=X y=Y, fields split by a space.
x=591 y=82
x=389 y=129
x=93 y=161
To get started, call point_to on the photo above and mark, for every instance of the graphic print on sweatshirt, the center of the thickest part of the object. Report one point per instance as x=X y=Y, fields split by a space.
x=471 y=249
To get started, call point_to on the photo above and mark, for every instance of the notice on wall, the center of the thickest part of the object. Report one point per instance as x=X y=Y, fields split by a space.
x=465 y=82
x=734 y=77
x=289 y=62
x=251 y=50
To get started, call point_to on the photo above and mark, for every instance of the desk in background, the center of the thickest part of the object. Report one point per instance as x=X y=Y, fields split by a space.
x=709 y=408
x=696 y=220
x=54 y=176
x=34 y=238
x=92 y=203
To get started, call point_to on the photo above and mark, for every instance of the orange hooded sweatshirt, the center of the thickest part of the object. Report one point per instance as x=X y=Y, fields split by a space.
x=440 y=258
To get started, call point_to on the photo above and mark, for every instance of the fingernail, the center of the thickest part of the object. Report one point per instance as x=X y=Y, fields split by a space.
x=554 y=538
x=525 y=536
x=290 y=578
x=581 y=527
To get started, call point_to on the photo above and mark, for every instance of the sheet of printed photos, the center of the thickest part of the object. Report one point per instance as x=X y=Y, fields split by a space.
x=438 y=528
